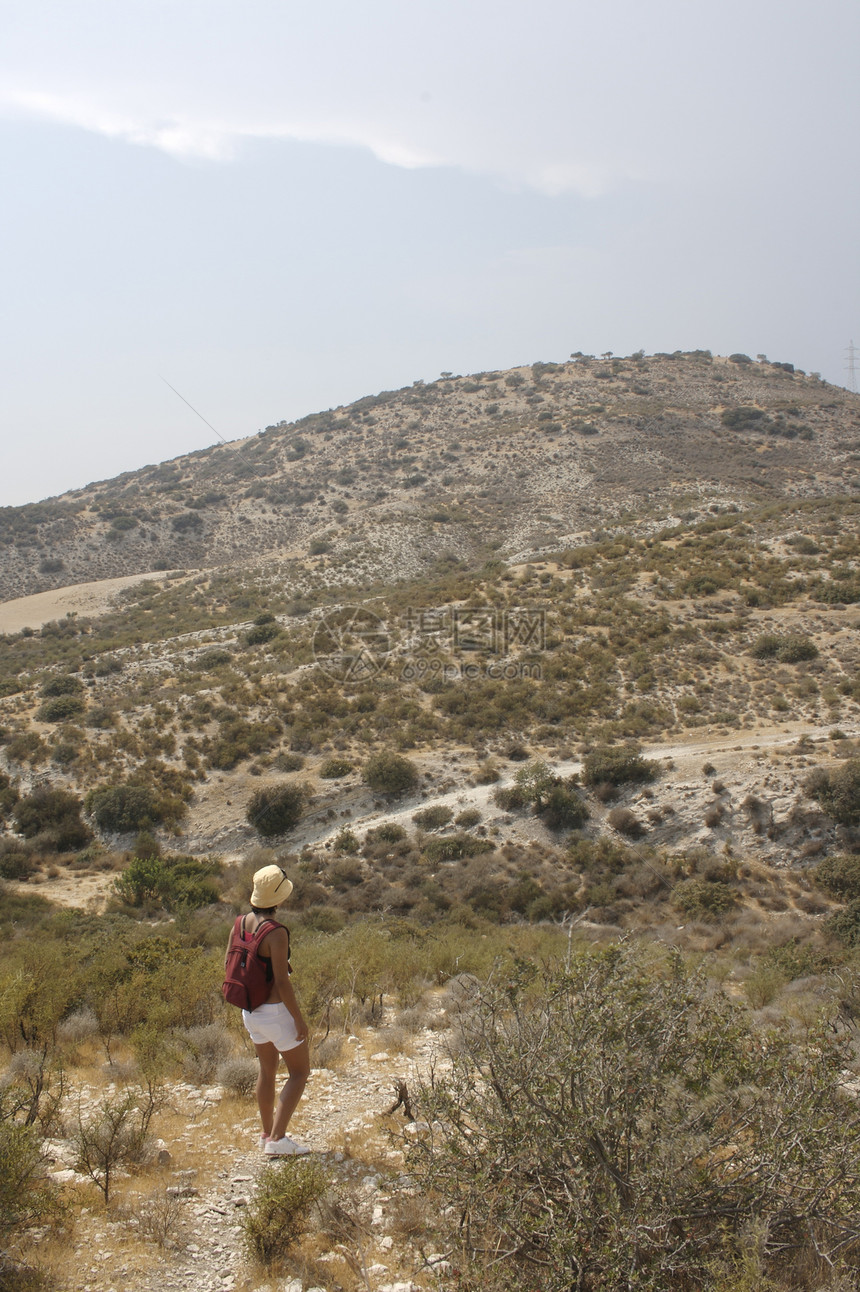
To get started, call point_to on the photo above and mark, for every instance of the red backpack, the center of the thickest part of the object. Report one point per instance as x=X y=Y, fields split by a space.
x=247 y=976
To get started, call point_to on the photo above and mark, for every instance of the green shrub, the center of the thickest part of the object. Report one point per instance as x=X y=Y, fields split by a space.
x=452 y=847
x=740 y=418
x=27 y=1197
x=16 y=862
x=645 y=1145
x=790 y=648
x=261 y=633
x=838 y=791
x=388 y=832
x=274 y=809
x=617 y=765
x=702 y=899
x=468 y=818
x=795 y=647
x=119 y=809
x=61 y=709
x=840 y=876
x=52 y=817
x=334 y=768
x=173 y=883
x=65 y=753
x=238 y=739
x=845 y=924
x=65 y=684
x=390 y=773
x=215 y=658
x=535 y=781
x=347 y=841
x=510 y=798
x=279 y=1212
x=323 y=919
x=8 y=796
x=433 y=818
x=188 y=522
x=287 y=761
x=564 y=809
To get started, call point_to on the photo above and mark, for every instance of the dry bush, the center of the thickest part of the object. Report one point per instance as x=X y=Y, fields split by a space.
x=328 y=1053
x=643 y=1145
x=156 y=1216
x=237 y=1075
x=434 y=817
x=626 y=823
x=203 y=1049
x=109 y=1137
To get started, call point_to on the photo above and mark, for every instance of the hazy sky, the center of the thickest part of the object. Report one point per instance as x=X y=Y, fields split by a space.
x=280 y=207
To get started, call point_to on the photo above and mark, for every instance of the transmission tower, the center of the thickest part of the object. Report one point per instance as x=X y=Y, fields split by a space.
x=850 y=366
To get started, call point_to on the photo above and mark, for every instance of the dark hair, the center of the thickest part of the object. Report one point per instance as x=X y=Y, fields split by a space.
x=263 y=910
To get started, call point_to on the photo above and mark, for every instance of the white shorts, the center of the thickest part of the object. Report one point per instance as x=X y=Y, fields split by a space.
x=272 y=1023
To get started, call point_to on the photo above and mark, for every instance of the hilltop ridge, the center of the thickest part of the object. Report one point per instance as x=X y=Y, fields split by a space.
x=535 y=457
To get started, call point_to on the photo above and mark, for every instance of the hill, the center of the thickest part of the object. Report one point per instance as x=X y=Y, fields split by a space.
x=511 y=462
x=550 y=667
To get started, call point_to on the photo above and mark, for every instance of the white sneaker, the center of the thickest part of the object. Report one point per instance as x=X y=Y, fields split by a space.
x=285 y=1147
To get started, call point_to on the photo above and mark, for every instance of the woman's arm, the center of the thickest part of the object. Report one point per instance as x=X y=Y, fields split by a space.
x=279 y=949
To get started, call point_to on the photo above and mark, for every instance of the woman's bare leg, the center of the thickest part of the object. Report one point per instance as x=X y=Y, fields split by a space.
x=298 y=1061
x=268 y=1056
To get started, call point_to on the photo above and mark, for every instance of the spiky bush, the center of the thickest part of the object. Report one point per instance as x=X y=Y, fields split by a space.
x=620 y=1124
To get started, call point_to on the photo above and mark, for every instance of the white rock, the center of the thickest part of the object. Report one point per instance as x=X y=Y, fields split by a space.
x=380 y=1056
x=59 y=1150
x=439 y=1264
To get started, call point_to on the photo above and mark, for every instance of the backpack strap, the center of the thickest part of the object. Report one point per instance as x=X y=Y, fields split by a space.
x=261 y=931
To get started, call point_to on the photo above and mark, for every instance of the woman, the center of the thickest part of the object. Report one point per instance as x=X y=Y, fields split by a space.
x=276 y=1027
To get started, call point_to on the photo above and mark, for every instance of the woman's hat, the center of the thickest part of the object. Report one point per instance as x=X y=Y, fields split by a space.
x=271 y=887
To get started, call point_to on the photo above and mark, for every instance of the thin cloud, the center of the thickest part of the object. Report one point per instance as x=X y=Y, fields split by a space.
x=189 y=138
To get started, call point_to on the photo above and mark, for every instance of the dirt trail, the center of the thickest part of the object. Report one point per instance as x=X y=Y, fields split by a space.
x=214 y=1162
x=217 y=824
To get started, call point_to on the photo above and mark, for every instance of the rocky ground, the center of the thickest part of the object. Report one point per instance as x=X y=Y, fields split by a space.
x=210 y=1161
